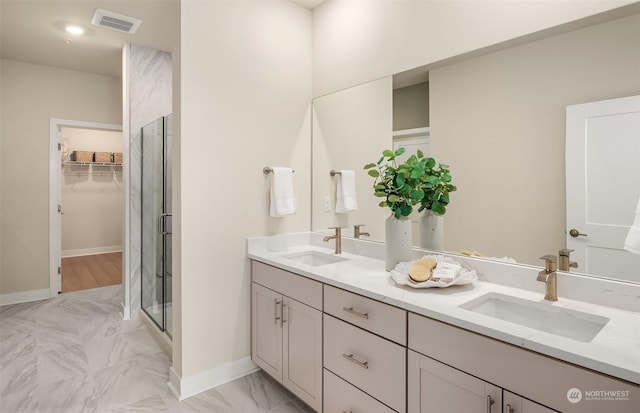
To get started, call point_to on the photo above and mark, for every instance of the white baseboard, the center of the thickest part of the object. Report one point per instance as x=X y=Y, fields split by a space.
x=24 y=296
x=183 y=388
x=91 y=251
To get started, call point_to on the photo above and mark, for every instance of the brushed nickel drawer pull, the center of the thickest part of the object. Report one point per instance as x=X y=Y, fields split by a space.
x=354 y=312
x=363 y=364
x=490 y=402
x=508 y=409
x=275 y=310
x=350 y=411
x=282 y=306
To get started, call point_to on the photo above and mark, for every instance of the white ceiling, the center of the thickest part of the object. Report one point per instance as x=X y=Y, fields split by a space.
x=33 y=31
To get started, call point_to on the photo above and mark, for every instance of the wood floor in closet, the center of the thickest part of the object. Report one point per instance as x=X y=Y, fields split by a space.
x=91 y=271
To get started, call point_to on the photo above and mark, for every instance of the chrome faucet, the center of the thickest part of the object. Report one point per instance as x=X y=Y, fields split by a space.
x=549 y=277
x=337 y=237
x=564 y=263
x=357 y=233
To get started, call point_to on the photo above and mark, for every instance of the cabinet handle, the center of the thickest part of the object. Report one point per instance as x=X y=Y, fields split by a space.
x=275 y=310
x=350 y=411
x=282 y=306
x=356 y=313
x=490 y=402
x=508 y=409
x=363 y=364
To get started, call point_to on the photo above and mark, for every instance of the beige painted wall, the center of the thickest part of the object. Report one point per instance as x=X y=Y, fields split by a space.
x=245 y=103
x=92 y=196
x=499 y=121
x=30 y=96
x=359 y=41
x=411 y=107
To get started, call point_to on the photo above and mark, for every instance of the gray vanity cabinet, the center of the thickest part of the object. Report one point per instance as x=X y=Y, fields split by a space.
x=451 y=351
x=381 y=358
x=286 y=330
x=433 y=387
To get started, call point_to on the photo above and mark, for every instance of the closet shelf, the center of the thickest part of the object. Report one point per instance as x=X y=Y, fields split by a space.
x=78 y=163
x=91 y=168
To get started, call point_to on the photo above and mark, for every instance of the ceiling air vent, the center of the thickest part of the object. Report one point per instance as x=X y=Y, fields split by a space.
x=115 y=21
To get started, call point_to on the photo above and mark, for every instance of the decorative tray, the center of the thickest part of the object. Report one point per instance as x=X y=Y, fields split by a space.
x=400 y=275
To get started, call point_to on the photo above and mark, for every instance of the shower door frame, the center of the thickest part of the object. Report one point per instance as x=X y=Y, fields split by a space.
x=161 y=225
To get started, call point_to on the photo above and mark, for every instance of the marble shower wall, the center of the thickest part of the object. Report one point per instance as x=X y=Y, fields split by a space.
x=150 y=98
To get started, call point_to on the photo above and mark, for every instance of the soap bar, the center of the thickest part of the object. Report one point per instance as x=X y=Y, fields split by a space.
x=446 y=272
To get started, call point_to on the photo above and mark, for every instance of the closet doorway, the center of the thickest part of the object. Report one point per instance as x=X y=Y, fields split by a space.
x=91 y=208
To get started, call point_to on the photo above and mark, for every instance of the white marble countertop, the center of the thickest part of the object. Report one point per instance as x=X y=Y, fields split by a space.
x=615 y=350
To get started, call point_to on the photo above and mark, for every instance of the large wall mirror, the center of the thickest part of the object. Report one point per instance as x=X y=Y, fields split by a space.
x=498 y=120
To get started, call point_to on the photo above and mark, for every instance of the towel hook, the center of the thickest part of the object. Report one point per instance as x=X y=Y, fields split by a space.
x=333 y=172
x=267 y=170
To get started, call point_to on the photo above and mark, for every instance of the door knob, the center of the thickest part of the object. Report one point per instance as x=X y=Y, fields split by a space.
x=575 y=233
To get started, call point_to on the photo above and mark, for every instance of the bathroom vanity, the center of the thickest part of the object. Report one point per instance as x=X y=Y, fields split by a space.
x=343 y=337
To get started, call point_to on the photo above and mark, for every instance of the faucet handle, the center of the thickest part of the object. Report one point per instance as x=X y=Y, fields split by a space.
x=357 y=232
x=338 y=230
x=550 y=262
x=565 y=252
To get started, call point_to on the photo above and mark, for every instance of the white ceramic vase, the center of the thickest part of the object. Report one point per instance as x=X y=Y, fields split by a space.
x=431 y=230
x=397 y=234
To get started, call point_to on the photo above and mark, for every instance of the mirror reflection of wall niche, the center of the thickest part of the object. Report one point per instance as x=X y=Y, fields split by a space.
x=498 y=120
x=411 y=106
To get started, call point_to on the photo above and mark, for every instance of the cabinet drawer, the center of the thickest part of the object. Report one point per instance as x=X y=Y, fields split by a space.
x=371 y=363
x=377 y=317
x=340 y=396
x=292 y=285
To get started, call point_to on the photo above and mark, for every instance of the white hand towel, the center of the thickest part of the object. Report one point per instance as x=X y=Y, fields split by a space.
x=632 y=243
x=346 y=192
x=282 y=199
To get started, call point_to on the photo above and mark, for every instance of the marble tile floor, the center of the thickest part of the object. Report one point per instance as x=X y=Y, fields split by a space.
x=74 y=353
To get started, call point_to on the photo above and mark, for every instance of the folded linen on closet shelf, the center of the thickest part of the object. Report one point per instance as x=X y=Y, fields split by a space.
x=281 y=196
x=346 y=192
x=632 y=243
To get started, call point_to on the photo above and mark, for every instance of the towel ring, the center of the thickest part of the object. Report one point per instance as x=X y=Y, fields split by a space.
x=334 y=172
x=267 y=170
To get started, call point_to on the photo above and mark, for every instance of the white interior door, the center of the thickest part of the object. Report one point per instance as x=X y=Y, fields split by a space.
x=55 y=277
x=603 y=185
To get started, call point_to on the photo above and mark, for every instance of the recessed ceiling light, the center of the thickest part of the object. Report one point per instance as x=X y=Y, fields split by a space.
x=74 y=29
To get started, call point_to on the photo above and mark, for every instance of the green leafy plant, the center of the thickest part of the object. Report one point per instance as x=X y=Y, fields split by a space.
x=416 y=181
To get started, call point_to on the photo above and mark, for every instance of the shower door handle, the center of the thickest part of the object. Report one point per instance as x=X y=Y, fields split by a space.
x=162 y=223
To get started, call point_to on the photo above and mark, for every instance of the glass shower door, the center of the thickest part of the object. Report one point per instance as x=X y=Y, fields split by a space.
x=155 y=229
x=168 y=123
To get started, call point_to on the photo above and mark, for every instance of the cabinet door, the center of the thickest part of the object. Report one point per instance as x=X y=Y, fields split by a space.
x=302 y=351
x=266 y=330
x=516 y=404
x=434 y=387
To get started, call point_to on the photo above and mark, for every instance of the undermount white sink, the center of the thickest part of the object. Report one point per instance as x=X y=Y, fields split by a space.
x=541 y=316
x=314 y=258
